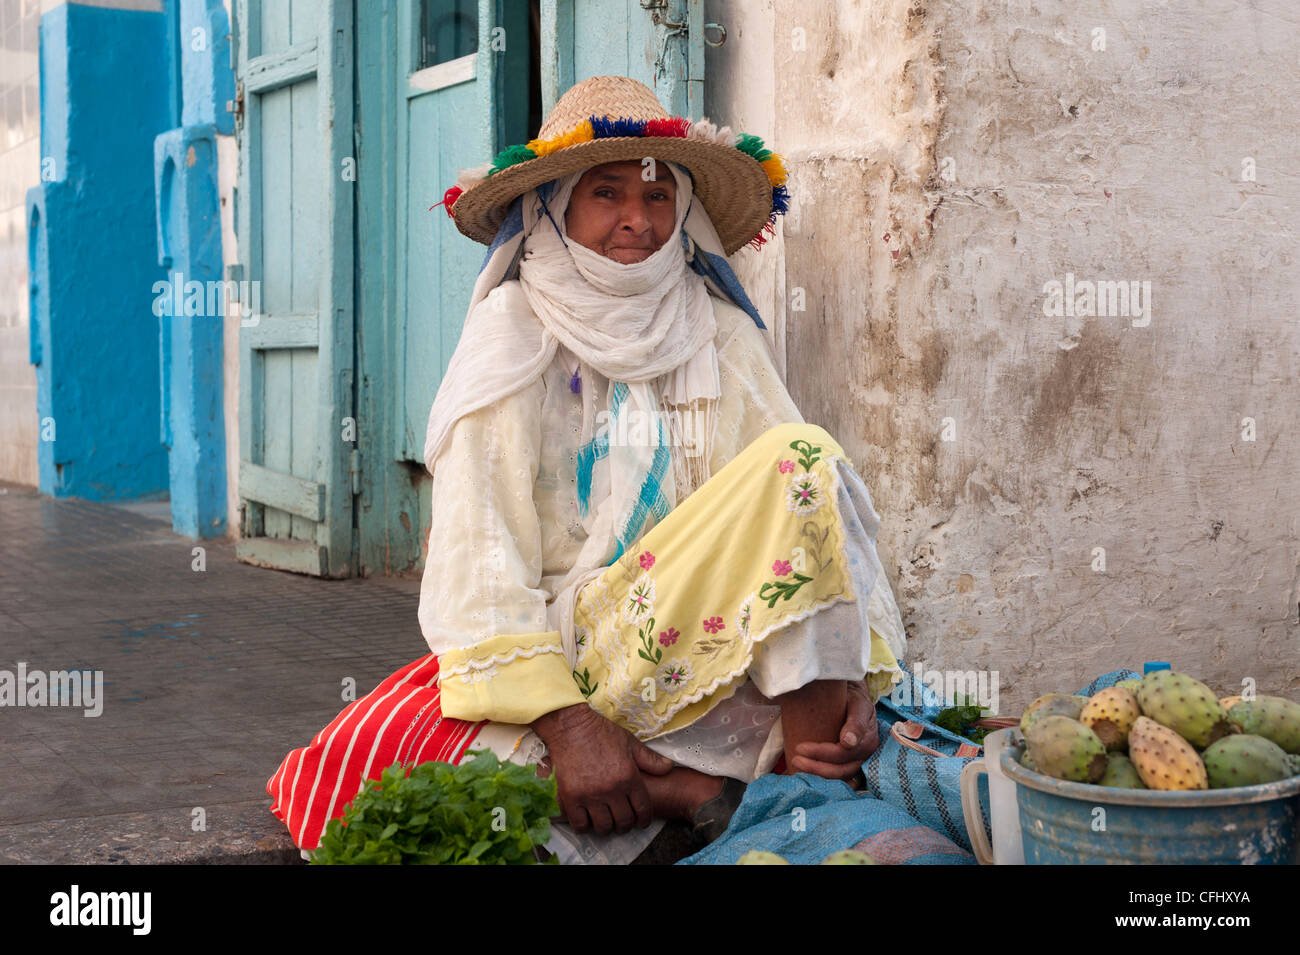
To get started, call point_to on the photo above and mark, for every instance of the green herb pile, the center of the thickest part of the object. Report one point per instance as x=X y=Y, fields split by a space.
x=482 y=812
x=960 y=719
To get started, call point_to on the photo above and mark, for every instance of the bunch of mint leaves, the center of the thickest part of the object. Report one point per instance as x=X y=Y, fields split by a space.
x=960 y=719
x=481 y=812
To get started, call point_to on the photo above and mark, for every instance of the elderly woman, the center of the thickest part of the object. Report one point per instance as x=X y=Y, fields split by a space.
x=645 y=572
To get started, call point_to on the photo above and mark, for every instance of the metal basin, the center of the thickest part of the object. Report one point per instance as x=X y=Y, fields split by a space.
x=1065 y=823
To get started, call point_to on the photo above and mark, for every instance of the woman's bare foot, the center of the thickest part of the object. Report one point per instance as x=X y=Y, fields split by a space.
x=675 y=795
x=813 y=714
x=682 y=791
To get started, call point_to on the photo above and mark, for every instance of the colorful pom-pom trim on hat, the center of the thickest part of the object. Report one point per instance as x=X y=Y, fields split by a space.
x=602 y=127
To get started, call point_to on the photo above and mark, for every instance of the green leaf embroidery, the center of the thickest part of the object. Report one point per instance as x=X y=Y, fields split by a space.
x=649 y=651
x=807 y=453
x=782 y=589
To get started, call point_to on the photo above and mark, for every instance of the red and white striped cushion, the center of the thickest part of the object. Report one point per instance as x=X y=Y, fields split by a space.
x=399 y=721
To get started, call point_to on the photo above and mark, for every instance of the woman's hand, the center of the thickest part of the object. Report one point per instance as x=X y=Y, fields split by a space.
x=599 y=766
x=859 y=738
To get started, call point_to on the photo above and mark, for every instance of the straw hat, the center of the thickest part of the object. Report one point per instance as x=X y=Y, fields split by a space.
x=615 y=118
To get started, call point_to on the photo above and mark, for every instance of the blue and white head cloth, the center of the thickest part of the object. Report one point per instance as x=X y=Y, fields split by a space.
x=502 y=332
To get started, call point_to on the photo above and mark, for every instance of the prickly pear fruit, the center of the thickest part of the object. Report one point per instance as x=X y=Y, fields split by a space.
x=1185 y=705
x=1027 y=760
x=849 y=857
x=759 y=857
x=1244 y=761
x=1066 y=749
x=1121 y=773
x=1052 y=704
x=1292 y=764
x=1111 y=714
x=1164 y=759
x=1228 y=702
x=1130 y=685
x=1272 y=717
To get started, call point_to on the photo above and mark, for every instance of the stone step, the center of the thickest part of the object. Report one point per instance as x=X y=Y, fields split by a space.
x=236 y=834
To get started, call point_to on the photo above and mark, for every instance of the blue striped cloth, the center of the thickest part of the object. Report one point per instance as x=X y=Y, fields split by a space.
x=805 y=818
x=651 y=498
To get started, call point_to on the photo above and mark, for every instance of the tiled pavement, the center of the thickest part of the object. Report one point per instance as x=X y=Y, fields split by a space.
x=210 y=677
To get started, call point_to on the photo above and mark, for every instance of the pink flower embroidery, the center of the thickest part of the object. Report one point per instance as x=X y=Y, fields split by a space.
x=647 y=560
x=781 y=567
x=786 y=467
x=669 y=637
x=714 y=624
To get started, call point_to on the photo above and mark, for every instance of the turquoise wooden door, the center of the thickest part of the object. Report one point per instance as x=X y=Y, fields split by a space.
x=442 y=85
x=463 y=93
x=659 y=42
x=294 y=71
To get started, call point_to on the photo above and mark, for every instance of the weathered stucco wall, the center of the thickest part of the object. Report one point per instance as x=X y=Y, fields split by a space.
x=950 y=161
x=20 y=170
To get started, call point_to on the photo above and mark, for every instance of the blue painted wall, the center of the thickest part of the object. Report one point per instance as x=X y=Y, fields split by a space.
x=207 y=80
x=187 y=200
x=190 y=349
x=93 y=253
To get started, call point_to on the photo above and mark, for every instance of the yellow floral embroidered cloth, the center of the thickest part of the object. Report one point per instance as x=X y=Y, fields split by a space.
x=665 y=632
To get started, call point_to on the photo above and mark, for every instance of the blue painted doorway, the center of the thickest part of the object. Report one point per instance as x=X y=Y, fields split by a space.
x=441 y=86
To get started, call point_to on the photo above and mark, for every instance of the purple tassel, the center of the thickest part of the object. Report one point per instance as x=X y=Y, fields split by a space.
x=602 y=127
x=575 y=383
x=780 y=200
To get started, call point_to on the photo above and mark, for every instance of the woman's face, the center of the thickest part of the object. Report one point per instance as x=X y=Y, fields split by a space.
x=615 y=212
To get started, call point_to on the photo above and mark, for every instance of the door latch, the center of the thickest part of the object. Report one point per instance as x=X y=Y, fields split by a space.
x=236 y=105
x=654 y=6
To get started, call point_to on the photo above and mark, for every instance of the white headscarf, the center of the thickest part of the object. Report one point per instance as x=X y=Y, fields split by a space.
x=647 y=324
